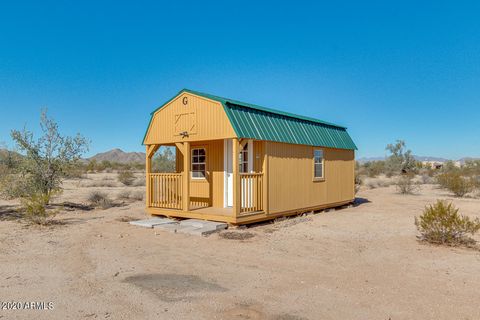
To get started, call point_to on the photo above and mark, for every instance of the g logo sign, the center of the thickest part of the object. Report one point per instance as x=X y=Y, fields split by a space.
x=185 y=101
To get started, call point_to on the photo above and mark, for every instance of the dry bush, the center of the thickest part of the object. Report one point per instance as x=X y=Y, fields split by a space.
x=456 y=183
x=126 y=177
x=123 y=195
x=127 y=195
x=138 y=195
x=440 y=223
x=406 y=185
x=426 y=179
x=100 y=199
x=380 y=182
x=139 y=183
x=98 y=184
x=358 y=182
x=372 y=169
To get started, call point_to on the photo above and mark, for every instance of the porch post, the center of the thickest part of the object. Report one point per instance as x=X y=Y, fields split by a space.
x=148 y=170
x=186 y=176
x=265 y=176
x=236 y=178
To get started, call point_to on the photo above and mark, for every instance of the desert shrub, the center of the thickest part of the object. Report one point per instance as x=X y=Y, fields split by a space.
x=34 y=208
x=138 y=195
x=126 y=177
x=48 y=159
x=373 y=168
x=358 y=182
x=127 y=195
x=76 y=171
x=426 y=178
x=164 y=160
x=139 y=182
x=100 y=199
x=440 y=223
x=123 y=195
x=406 y=185
x=98 y=184
x=371 y=184
x=381 y=182
x=456 y=183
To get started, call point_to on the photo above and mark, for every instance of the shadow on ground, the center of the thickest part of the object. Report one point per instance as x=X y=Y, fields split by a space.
x=174 y=287
x=359 y=201
x=8 y=212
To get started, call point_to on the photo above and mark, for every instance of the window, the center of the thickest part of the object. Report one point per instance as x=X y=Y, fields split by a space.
x=198 y=163
x=243 y=159
x=318 y=164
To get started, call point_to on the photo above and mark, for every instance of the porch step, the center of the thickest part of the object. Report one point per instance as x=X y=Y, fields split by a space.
x=150 y=223
x=192 y=227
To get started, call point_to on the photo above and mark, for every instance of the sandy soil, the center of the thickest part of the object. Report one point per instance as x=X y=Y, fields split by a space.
x=362 y=262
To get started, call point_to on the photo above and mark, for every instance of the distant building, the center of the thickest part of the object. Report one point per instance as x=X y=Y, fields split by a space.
x=436 y=165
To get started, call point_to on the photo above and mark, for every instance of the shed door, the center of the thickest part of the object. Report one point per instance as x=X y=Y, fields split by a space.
x=228 y=172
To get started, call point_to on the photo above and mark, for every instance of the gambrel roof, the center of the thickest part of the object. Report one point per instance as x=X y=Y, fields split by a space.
x=260 y=123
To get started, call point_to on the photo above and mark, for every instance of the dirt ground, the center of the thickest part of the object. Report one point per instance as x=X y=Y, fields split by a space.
x=362 y=262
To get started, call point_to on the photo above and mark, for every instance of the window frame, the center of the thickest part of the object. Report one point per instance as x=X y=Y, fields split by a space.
x=249 y=159
x=315 y=178
x=198 y=163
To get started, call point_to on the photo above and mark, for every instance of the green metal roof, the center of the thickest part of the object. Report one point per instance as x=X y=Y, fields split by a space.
x=256 y=122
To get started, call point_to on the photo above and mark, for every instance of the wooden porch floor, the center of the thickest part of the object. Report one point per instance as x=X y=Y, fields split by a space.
x=214 y=211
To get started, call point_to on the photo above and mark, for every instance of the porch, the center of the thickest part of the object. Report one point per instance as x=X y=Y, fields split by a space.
x=225 y=181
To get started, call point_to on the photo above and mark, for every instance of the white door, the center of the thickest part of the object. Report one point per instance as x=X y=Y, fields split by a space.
x=228 y=172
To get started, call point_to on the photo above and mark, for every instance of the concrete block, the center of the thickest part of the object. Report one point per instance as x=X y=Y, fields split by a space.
x=170 y=227
x=193 y=227
x=150 y=223
x=204 y=224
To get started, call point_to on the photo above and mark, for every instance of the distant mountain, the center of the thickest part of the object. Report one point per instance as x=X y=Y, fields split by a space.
x=119 y=156
x=370 y=159
x=418 y=158
x=428 y=158
x=463 y=160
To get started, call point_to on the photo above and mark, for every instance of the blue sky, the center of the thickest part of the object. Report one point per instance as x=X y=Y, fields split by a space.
x=385 y=69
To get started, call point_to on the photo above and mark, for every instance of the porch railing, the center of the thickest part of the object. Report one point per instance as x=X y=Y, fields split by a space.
x=251 y=192
x=165 y=190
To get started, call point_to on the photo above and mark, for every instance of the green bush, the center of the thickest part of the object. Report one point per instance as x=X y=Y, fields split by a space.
x=126 y=177
x=440 y=223
x=456 y=183
x=34 y=207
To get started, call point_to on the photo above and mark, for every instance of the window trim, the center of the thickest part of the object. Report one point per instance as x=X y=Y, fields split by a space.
x=191 y=163
x=249 y=162
x=322 y=178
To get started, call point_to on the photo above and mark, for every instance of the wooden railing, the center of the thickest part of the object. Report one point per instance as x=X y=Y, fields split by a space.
x=165 y=190
x=251 y=192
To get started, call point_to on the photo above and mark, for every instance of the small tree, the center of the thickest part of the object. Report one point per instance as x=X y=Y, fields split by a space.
x=45 y=162
x=440 y=223
x=400 y=160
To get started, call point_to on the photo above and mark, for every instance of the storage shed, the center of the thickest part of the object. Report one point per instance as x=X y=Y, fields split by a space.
x=241 y=163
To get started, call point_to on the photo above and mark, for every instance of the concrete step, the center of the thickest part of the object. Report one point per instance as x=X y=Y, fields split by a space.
x=150 y=223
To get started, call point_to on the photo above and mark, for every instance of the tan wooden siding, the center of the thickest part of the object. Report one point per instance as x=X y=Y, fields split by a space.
x=258 y=154
x=201 y=189
x=291 y=184
x=202 y=118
